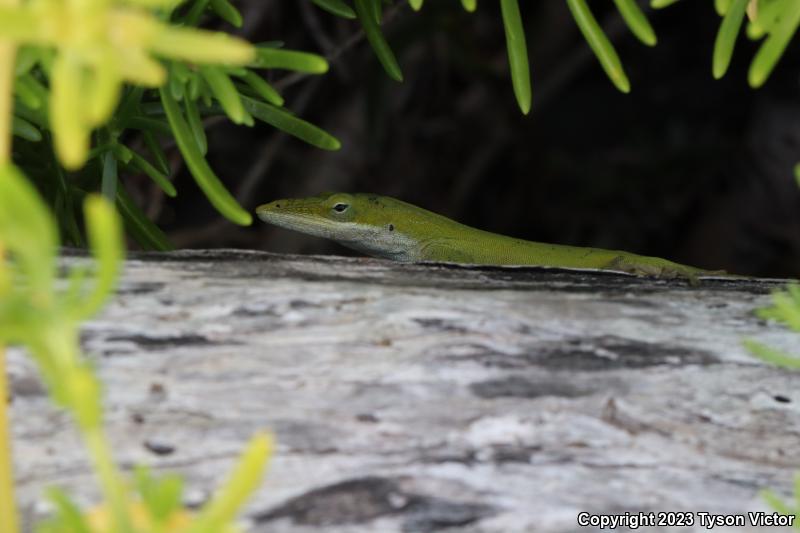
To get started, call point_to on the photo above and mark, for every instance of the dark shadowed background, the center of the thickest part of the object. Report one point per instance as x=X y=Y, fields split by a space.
x=684 y=167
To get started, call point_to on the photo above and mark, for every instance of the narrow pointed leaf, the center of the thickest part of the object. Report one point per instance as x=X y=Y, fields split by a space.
x=772 y=356
x=147 y=234
x=24 y=90
x=660 y=4
x=290 y=60
x=227 y=12
x=105 y=237
x=726 y=37
x=292 y=125
x=154 y=125
x=156 y=151
x=110 y=176
x=337 y=7
x=517 y=53
x=376 y=9
x=600 y=44
x=376 y=39
x=199 y=46
x=637 y=21
x=722 y=6
x=105 y=89
x=25 y=130
x=196 y=125
x=771 y=51
x=205 y=177
x=161 y=179
x=225 y=92
x=262 y=88
x=67 y=113
x=239 y=486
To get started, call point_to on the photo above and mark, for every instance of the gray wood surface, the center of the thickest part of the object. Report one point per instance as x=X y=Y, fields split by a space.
x=428 y=397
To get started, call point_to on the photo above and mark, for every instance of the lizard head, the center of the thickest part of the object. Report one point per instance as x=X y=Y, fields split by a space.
x=364 y=222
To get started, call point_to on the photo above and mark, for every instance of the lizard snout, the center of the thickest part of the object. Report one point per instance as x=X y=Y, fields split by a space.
x=265 y=209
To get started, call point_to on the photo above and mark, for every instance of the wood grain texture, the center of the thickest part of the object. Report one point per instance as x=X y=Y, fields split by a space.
x=424 y=397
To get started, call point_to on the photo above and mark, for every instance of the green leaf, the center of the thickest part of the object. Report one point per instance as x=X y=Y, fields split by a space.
x=785 y=309
x=205 y=177
x=726 y=37
x=771 y=51
x=122 y=152
x=289 y=60
x=196 y=11
x=105 y=238
x=793 y=290
x=69 y=517
x=416 y=5
x=775 y=501
x=364 y=11
x=600 y=44
x=722 y=6
x=147 y=234
x=196 y=125
x=67 y=112
x=200 y=46
x=470 y=5
x=376 y=8
x=155 y=150
x=225 y=92
x=262 y=88
x=27 y=230
x=337 y=7
x=768 y=16
x=637 y=21
x=25 y=130
x=110 y=176
x=240 y=485
x=27 y=57
x=227 y=12
x=292 y=125
x=176 y=83
x=67 y=214
x=149 y=124
x=162 y=497
x=105 y=89
x=517 y=53
x=129 y=106
x=772 y=356
x=29 y=91
x=659 y=4
x=797 y=497
x=160 y=179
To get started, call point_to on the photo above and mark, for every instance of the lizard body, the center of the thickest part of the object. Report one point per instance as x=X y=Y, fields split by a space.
x=392 y=229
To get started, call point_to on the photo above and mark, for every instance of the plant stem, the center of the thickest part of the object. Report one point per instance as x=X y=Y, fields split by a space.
x=8 y=509
x=8 y=55
x=110 y=480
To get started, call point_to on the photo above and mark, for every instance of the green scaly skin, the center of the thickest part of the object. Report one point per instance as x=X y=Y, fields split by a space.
x=385 y=227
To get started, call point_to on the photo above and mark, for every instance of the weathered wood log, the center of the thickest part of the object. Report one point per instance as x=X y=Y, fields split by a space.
x=425 y=397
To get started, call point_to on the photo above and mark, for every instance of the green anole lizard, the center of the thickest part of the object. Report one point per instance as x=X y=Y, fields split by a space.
x=392 y=229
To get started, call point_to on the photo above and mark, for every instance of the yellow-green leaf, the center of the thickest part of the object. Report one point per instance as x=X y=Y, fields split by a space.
x=726 y=37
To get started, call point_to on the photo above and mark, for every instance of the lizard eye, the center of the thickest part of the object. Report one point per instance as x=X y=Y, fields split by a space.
x=341 y=208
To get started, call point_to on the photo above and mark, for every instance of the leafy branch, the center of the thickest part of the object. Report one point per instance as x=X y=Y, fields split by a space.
x=785 y=310
x=775 y=21
x=136 y=67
